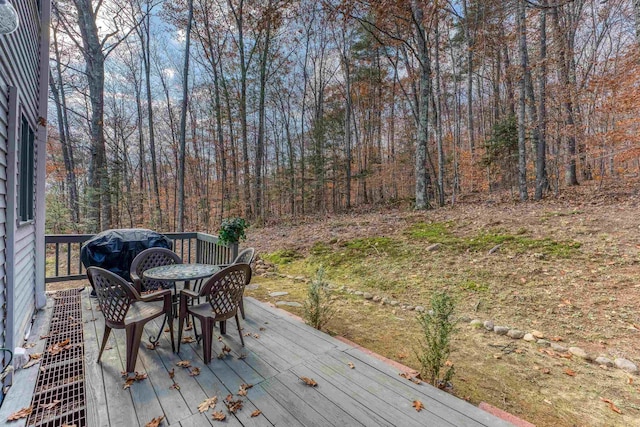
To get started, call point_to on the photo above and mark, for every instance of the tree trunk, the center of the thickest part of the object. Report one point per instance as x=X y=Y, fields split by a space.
x=522 y=145
x=422 y=200
x=183 y=121
x=542 y=182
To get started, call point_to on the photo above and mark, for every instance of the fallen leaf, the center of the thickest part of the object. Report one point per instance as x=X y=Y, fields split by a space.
x=246 y=386
x=194 y=372
x=128 y=383
x=413 y=377
x=256 y=336
x=242 y=392
x=497 y=356
x=629 y=380
x=151 y=346
x=570 y=372
x=351 y=365
x=309 y=381
x=184 y=363
x=172 y=373
x=218 y=416
x=229 y=397
x=69 y=425
x=402 y=355
x=557 y=339
x=167 y=329
x=189 y=326
x=22 y=413
x=546 y=371
x=155 y=422
x=418 y=405
x=50 y=405
x=208 y=404
x=234 y=406
x=256 y=413
x=226 y=349
x=448 y=363
x=242 y=356
x=57 y=348
x=188 y=339
x=141 y=376
x=263 y=329
x=612 y=406
x=174 y=386
x=30 y=345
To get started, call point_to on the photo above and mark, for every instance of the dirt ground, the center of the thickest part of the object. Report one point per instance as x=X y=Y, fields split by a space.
x=590 y=299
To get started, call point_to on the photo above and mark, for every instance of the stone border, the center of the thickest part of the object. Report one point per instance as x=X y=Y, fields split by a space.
x=538 y=338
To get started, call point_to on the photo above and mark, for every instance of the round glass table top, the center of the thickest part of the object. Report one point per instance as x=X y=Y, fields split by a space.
x=179 y=272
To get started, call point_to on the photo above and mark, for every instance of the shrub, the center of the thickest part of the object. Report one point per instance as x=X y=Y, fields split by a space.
x=437 y=329
x=232 y=230
x=317 y=306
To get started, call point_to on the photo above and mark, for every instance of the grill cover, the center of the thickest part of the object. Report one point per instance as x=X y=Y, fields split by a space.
x=114 y=250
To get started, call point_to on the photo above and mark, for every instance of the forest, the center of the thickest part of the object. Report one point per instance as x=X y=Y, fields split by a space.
x=173 y=115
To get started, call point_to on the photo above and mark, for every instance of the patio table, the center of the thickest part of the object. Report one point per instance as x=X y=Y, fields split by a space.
x=179 y=273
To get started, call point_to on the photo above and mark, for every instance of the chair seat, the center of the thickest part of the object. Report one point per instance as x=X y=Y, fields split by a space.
x=143 y=310
x=205 y=311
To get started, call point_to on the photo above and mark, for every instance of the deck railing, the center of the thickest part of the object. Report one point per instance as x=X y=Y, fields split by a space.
x=63 y=253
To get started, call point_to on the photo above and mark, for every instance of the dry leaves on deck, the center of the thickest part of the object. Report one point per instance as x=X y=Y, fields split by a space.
x=243 y=389
x=207 y=404
x=188 y=339
x=413 y=377
x=256 y=413
x=218 y=416
x=308 y=381
x=153 y=346
x=155 y=422
x=131 y=380
x=351 y=365
x=233 y=406
x=22 y=413
x=194 y=372
x=184 y=364
x=418 y=405
x=57 y=348
x=612 y=406
x=33 y=359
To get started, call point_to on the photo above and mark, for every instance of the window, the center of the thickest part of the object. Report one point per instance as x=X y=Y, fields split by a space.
x=26 y=172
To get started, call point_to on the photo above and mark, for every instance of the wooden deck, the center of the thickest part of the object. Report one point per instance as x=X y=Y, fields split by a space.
x=279 y=350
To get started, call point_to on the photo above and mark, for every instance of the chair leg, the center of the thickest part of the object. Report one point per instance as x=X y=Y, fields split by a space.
x=239 y=330
x=180 y=325
x=134 y=337
x=105 y=338
x=170 y=320
x=223 y=327
x=242 y=308
x=207 y=339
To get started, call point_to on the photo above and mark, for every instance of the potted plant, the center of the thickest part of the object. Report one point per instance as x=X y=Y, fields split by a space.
x=232 y=230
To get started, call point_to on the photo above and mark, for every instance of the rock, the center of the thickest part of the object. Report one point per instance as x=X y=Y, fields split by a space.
x=367 y=295
x=410 y=308
x=515 y=334
x=463 y=319
x=434 y=247
x=543 y=343
x=419 y=309
x=601 y=360
x=494 y=249
x=539 y=255
x=289 y=303
x=278 y=294
x=578 y=352
x=529 y=337
x=299 y=278
x=394 y=303
x=501 y=330
x=559 y=348
x=386 y=300
x=270 y=274
x=488 y=325
x=476 y=323
x=377 y=298
x=626 y=365
x=539 y=335
x=252 y=286
x=358 y=293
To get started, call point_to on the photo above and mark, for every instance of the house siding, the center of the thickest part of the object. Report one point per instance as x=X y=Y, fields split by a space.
x=21 y=56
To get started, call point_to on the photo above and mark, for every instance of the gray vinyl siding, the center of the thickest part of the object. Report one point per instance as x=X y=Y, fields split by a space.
x=19 y=68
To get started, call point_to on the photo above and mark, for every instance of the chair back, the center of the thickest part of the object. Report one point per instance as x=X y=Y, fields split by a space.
x=149 y=258
x=245 y=257
x=115 y=295
x=225 y=288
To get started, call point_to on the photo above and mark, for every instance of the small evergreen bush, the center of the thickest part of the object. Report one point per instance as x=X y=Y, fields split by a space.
x=317 y=307
x=437 y=329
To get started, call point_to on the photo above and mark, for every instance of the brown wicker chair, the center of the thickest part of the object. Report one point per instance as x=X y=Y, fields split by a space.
x=244 y=257
x=223 y=292
x=124 y=308
x=149 y=258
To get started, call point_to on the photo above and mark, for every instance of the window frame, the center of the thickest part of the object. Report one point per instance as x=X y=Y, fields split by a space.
x=26 y=172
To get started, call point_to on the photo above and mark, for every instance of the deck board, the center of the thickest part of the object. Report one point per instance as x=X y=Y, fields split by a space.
x=371 y=394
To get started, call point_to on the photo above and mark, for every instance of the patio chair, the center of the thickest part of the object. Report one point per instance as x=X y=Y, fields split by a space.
x=124 y=308
x=223 y=292
x=244 y=257
x=149 y=258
